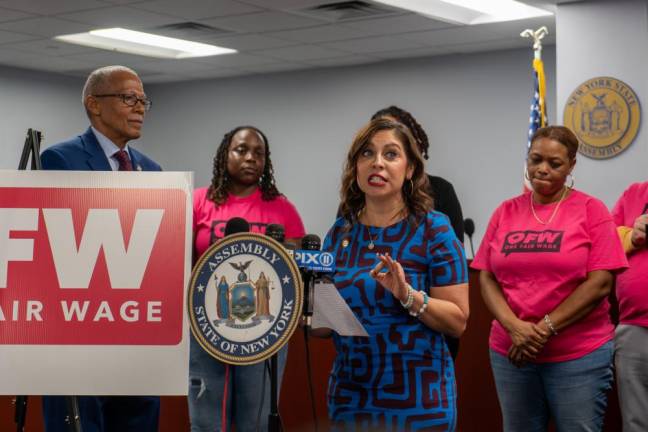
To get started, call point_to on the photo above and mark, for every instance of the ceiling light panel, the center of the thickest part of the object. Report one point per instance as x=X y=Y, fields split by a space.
x=144 y=44
x=469 y=12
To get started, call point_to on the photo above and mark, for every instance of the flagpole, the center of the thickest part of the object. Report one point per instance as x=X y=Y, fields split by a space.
x=538 y=116
x=537 y=36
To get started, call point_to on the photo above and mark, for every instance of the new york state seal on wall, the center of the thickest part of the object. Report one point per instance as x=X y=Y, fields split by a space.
x=245 y=298
x=605 y=114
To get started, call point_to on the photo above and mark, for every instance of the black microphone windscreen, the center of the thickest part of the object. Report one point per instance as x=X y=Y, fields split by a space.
x=276 y=232
x=311 y=242
x=469 y=227
x=236 y=225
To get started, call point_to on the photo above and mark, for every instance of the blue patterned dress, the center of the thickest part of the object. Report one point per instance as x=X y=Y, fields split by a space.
x=402 y=376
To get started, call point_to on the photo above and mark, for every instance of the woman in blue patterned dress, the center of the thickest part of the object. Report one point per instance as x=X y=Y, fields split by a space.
x=403 y=272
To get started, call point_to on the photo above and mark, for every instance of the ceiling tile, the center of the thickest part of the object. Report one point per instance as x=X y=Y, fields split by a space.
x=286 y=4
x=51 y=7
x=514 y=28
x=456 y=35
x=34 y=61
x=211 y=73
x=278 y=67
x=51 y=47
x=11 y=15
x=197 y=9
x=237 y=60
x=343 y=61
x=9 y=37
x=161 y=78
x=302 y=53
x=178 y=67
x=45 y=26
x=100 y=58
x=121 y=16
x=408 y=53
x=397 y=24
x=325 y=33
x=490 y=46
x=374 y=44
x=123 y=2
x=249 y=42
x=262 y=22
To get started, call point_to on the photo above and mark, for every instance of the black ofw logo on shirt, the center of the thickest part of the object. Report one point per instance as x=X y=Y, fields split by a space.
x=532 y=241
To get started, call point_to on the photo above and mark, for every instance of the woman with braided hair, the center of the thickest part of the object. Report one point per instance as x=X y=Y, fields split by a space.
x=441 y=190
x=243 y=185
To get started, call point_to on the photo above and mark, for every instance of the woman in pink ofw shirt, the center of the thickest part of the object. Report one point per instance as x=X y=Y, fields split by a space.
x=243 y=186
x=547 y=264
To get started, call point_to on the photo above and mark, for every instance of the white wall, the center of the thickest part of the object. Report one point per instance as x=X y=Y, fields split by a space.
x=47 y=102
x=605 y=38
x=475 y=109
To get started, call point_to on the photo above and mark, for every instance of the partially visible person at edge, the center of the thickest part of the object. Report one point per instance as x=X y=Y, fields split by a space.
x=403 y=272
x=243 y=185
x=547 y=263
x=441 y=190
x=631 y=339
x=115 y=103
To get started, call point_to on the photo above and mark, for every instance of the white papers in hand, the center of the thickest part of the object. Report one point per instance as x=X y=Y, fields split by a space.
x=331 y=311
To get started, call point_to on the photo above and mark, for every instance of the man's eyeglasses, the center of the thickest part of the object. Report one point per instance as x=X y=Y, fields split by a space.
x=130 y=99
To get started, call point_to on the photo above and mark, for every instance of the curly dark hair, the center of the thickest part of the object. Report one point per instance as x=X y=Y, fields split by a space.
x=219 y=189
x=417 y=201
x=408 y=120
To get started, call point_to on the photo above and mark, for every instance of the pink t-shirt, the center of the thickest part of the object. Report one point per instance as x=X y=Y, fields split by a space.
x=209 y=221
x=538 y=266
x=632 y=284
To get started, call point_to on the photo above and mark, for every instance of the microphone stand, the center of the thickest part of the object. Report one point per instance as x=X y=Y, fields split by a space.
x=30 y=148
x=472 y=249
x=73 y=418
x=274 y=421
x=307 y=312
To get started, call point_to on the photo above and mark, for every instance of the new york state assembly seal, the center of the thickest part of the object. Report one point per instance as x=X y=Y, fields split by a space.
x=605 y=114
x=245 y=298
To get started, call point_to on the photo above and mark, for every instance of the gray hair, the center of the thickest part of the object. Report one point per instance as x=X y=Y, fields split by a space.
x=100 y=77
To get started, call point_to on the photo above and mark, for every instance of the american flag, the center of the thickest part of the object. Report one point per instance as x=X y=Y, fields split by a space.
x=538 y=116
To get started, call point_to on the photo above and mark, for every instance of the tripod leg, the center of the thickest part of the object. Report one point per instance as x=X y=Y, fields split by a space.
x=274 y=422
x=73 y=417
x=21 y=413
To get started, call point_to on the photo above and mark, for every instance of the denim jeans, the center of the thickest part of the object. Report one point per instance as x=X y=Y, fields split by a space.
x=248 y=392
x=573 y=393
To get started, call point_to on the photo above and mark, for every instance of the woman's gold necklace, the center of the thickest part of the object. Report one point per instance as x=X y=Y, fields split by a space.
x=371 y=240
x=562 y=197
x=372 y=243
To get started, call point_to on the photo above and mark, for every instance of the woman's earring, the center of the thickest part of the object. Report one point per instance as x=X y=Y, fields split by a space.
x=526 y=175
x=571 y=185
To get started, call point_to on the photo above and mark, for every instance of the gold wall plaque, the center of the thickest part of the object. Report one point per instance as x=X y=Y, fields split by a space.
x=604 y=113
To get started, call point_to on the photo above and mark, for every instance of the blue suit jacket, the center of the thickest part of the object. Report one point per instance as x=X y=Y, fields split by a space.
x=98 y=413
x=83 y=153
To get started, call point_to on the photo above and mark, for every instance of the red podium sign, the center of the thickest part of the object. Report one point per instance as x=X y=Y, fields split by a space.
x=93 y=272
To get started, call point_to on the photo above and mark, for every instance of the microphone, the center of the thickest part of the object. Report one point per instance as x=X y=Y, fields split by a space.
x=469 y=228
x=312 y=263
x=309 y=257
x=236 y=225
x=276 y=232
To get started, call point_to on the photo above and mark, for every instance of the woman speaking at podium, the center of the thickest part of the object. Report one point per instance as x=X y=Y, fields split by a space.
x=403 y=272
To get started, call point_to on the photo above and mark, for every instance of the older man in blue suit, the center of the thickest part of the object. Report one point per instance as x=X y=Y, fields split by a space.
x=116 y=104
